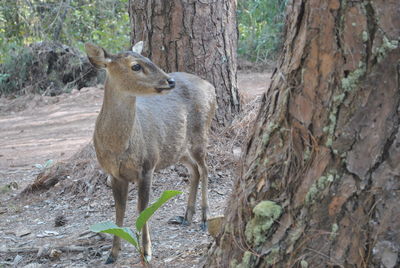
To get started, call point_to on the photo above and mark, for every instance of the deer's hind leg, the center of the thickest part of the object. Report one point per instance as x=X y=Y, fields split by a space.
x=191 y=165
x=194 y=185
x=200 y=157
x=198 y=171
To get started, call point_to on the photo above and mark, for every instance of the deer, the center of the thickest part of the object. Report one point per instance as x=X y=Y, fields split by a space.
x=150 y=120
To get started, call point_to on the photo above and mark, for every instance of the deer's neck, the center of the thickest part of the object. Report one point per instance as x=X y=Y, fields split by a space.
x=116 y=123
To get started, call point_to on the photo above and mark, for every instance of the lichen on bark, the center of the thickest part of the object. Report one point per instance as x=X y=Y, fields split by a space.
x=265 y=214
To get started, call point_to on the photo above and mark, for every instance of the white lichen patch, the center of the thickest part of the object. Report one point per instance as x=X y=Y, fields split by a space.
x=245 y=261
x=335 y=229
x=295 y=234
x=307 y=154
x=317 y=187
x=265 y=214
x=304 y=264
x=387 y=46
x=365 y=36
x=273 y=256
x=350 y=82
x=270 y=128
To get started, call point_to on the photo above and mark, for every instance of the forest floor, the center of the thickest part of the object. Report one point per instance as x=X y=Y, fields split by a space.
x=36 y=131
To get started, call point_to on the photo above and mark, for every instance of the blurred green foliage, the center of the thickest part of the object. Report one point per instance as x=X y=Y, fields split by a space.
x=70 y=22
x=260 y=25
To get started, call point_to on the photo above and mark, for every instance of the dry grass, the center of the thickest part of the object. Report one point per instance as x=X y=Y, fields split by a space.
x=229 y=141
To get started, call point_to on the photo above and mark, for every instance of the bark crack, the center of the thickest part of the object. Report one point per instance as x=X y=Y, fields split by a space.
x=372 y=28
x=338 y=31
x=298 y=24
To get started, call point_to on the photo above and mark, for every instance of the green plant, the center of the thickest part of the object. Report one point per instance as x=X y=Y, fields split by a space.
x=133 y=237
x=14 y=67
x=44 y=166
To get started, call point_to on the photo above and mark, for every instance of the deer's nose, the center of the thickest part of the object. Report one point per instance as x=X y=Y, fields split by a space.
x=171 y=82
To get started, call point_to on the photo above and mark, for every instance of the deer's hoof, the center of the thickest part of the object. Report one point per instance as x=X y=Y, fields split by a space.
x=110 y=259
x=204 y=226
x=179 y=220
x=147 y=258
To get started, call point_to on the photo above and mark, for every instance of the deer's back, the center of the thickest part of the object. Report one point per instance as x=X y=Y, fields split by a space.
x=173 y=123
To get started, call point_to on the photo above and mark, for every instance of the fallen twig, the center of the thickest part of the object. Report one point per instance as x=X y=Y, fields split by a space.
x=35 y=250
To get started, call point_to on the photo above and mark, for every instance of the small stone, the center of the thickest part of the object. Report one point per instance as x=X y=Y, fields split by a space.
x=43 y=251
x=55 y=253
x=214 y=225
x=17 y=260
x=237 y=153
x=108 y=181
x=79 y=256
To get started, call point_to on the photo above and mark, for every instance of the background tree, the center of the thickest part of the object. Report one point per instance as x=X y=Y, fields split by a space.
x=320 y=181
x=260 y=26
x=192 y=36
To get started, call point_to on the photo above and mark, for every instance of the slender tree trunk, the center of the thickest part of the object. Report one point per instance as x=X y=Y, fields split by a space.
x=192 y=36
x=320 y=183
x=64 y=6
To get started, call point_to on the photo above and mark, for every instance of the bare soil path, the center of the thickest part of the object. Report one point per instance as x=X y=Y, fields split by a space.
x=36 y=129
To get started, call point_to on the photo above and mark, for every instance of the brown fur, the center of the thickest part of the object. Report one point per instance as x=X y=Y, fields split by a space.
x=140 y=130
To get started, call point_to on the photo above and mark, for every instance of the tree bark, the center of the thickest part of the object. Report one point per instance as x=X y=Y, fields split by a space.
x=198 y=37
x=320 y=181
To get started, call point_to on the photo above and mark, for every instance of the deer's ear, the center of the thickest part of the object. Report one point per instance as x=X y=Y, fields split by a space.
x=138 y=47
x=97 y=55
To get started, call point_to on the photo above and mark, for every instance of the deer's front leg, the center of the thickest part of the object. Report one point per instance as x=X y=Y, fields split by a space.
x=144 y=188
x=120 y=192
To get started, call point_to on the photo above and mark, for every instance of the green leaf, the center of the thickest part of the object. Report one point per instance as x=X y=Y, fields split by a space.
x=39 y=166
x=149 y=211
x=111 y=228
x=48 y=163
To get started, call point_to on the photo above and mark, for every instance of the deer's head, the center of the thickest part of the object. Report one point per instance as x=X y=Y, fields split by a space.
x=130 y=71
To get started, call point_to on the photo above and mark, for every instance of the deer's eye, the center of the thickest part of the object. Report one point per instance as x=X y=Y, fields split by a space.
x=136 y=67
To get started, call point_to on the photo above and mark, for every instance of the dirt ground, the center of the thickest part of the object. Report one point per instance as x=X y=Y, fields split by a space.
x=38 y=131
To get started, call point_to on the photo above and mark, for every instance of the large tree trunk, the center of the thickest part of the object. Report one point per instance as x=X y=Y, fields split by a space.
x=198 y=37
x=320 y=183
